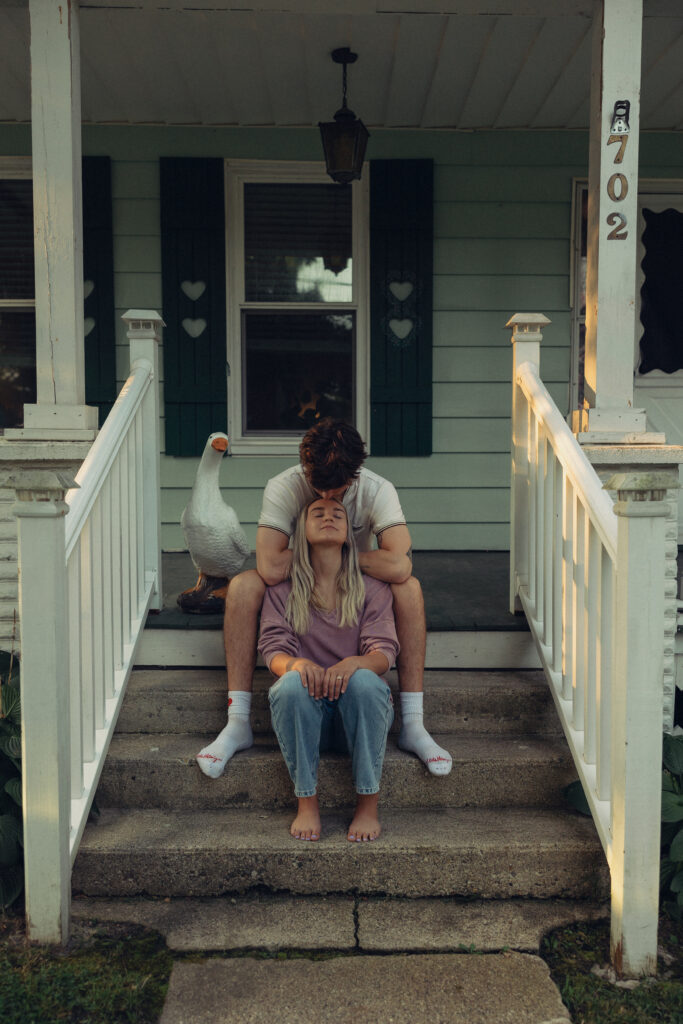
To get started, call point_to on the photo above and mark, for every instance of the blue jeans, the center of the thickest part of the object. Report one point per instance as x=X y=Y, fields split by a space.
x=357 y=723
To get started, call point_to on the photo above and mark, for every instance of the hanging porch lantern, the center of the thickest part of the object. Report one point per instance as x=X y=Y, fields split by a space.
x=344 y=139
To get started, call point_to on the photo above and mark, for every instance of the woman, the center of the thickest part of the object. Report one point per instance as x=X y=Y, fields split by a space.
x=329 y=635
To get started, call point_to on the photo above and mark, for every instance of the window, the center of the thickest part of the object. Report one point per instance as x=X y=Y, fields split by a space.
x=17 y=292
x=297 y=296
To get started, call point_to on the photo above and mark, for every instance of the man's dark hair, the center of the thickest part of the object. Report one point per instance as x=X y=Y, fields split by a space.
x=331 y=453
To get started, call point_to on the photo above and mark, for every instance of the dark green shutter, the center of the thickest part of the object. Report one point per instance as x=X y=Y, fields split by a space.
x=98 y=277
x=401 y=254
x=193 y=251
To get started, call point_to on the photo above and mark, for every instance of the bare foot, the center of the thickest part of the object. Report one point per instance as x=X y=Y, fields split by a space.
x=365 y=826
x=306 y=825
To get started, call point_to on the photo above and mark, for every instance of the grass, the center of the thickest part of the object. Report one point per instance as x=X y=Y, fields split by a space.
x=571 y=953
x=115 y=977
x=118 y=974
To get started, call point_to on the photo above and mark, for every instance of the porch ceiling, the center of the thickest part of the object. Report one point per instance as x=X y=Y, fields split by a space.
x=519 y=65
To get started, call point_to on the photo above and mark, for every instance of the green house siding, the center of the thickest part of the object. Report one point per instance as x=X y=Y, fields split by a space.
x=502 y=239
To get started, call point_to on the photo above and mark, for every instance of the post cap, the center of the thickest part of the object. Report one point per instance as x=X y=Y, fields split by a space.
x=640 y=486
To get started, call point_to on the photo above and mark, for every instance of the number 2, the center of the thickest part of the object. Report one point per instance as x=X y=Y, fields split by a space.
x=619 y=221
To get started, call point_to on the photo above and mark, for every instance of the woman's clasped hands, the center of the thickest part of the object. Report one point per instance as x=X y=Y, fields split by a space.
x=325 y=682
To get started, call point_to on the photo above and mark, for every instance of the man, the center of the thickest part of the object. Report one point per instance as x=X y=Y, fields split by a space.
x=332 y=455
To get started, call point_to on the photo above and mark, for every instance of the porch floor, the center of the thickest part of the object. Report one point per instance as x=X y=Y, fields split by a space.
x=463 y=590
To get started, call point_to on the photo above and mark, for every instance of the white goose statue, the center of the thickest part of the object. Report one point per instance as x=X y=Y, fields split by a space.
x=217 y=543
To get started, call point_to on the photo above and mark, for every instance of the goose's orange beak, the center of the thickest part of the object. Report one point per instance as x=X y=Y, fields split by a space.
x=220 y=444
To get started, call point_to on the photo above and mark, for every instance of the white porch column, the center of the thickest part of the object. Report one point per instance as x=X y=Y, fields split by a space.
x=612 y=214
x=60 y=411
x=637 y=719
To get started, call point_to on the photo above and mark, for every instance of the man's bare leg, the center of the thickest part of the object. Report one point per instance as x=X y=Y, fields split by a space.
x=411 y=629
x=242 y=605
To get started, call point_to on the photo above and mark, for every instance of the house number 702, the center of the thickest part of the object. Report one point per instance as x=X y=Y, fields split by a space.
x=617 y=189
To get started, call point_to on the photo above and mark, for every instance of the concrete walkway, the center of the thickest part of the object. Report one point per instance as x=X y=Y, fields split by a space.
x=502 y=988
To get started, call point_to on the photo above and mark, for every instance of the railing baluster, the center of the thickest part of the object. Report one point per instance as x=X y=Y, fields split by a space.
x=603 y=690
x=578 y=656
x=548 y=560
x=132 y=522
x=567 y=589
x=593 y=620
x=540 y=521
x=558 y=494
x=87 y=675
x=533 y=526
x=117 y=565
x=140 y=495
x=76 y=724
x=97 y=602
x=124 y=513
x=107 y=592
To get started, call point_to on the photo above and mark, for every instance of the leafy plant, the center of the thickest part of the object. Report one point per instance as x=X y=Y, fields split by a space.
x=11 y=829
x=671 y=865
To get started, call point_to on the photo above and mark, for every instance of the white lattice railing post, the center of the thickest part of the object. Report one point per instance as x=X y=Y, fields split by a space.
x=637 y=718
x=144 y=334
x=40 y=510
x=526 y=348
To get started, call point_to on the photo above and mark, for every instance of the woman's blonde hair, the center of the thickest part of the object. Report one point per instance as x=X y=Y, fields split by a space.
x=350 y=585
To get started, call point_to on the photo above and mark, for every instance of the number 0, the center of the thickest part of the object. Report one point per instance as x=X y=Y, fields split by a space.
x=620 y=183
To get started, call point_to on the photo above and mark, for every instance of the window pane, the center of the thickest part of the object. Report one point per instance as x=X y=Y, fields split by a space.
x=17 y=365
x=660 y=344
x=298 y=369
x=297 y=243
x=16 y=239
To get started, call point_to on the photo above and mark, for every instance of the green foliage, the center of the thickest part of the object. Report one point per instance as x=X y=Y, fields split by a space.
x=109 y=981
x=573 y=952
x=671 y=864
x=11 y=839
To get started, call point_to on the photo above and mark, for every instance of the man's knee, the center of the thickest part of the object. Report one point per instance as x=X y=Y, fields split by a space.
x=246 y=590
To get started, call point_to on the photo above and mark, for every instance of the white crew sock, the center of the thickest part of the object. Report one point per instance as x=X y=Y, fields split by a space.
x=415 y=738
x=236 y=736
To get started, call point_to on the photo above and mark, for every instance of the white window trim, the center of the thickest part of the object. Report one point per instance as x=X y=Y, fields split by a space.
x=237 y=173
x=16 y=168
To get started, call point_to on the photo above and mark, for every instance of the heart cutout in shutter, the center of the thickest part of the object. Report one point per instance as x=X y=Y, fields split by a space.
x=401 y=290
x=88 y=325
x=88 y=288
x=194 y=327
x=401 y=328
x=193 y=289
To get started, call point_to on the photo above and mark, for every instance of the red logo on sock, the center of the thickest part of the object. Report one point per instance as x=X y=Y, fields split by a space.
x=430 y=759
x=229 y=701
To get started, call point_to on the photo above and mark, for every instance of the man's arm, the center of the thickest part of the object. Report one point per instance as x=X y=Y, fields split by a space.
x=391 y=563
x=273 y=557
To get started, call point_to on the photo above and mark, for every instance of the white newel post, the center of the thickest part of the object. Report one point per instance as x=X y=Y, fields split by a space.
x=637 y=718
x=40 y=510
x=526 y=348
x=144 y=328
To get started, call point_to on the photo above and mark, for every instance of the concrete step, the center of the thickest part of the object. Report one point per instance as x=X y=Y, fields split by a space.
x=342 y=923
x=476 y=853
x=144 y=770
x=194 y=700
x=502 y=988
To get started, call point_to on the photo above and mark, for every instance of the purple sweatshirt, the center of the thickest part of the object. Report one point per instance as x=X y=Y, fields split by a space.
x=326 y=643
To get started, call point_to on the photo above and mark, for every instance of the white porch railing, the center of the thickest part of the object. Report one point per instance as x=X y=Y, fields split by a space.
x=86 y=583
x=588 y=575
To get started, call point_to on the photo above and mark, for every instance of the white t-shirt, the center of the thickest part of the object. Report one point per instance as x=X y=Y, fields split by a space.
x=371 y=504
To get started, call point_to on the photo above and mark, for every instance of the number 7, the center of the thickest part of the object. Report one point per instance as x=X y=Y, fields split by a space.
x=622 y=140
